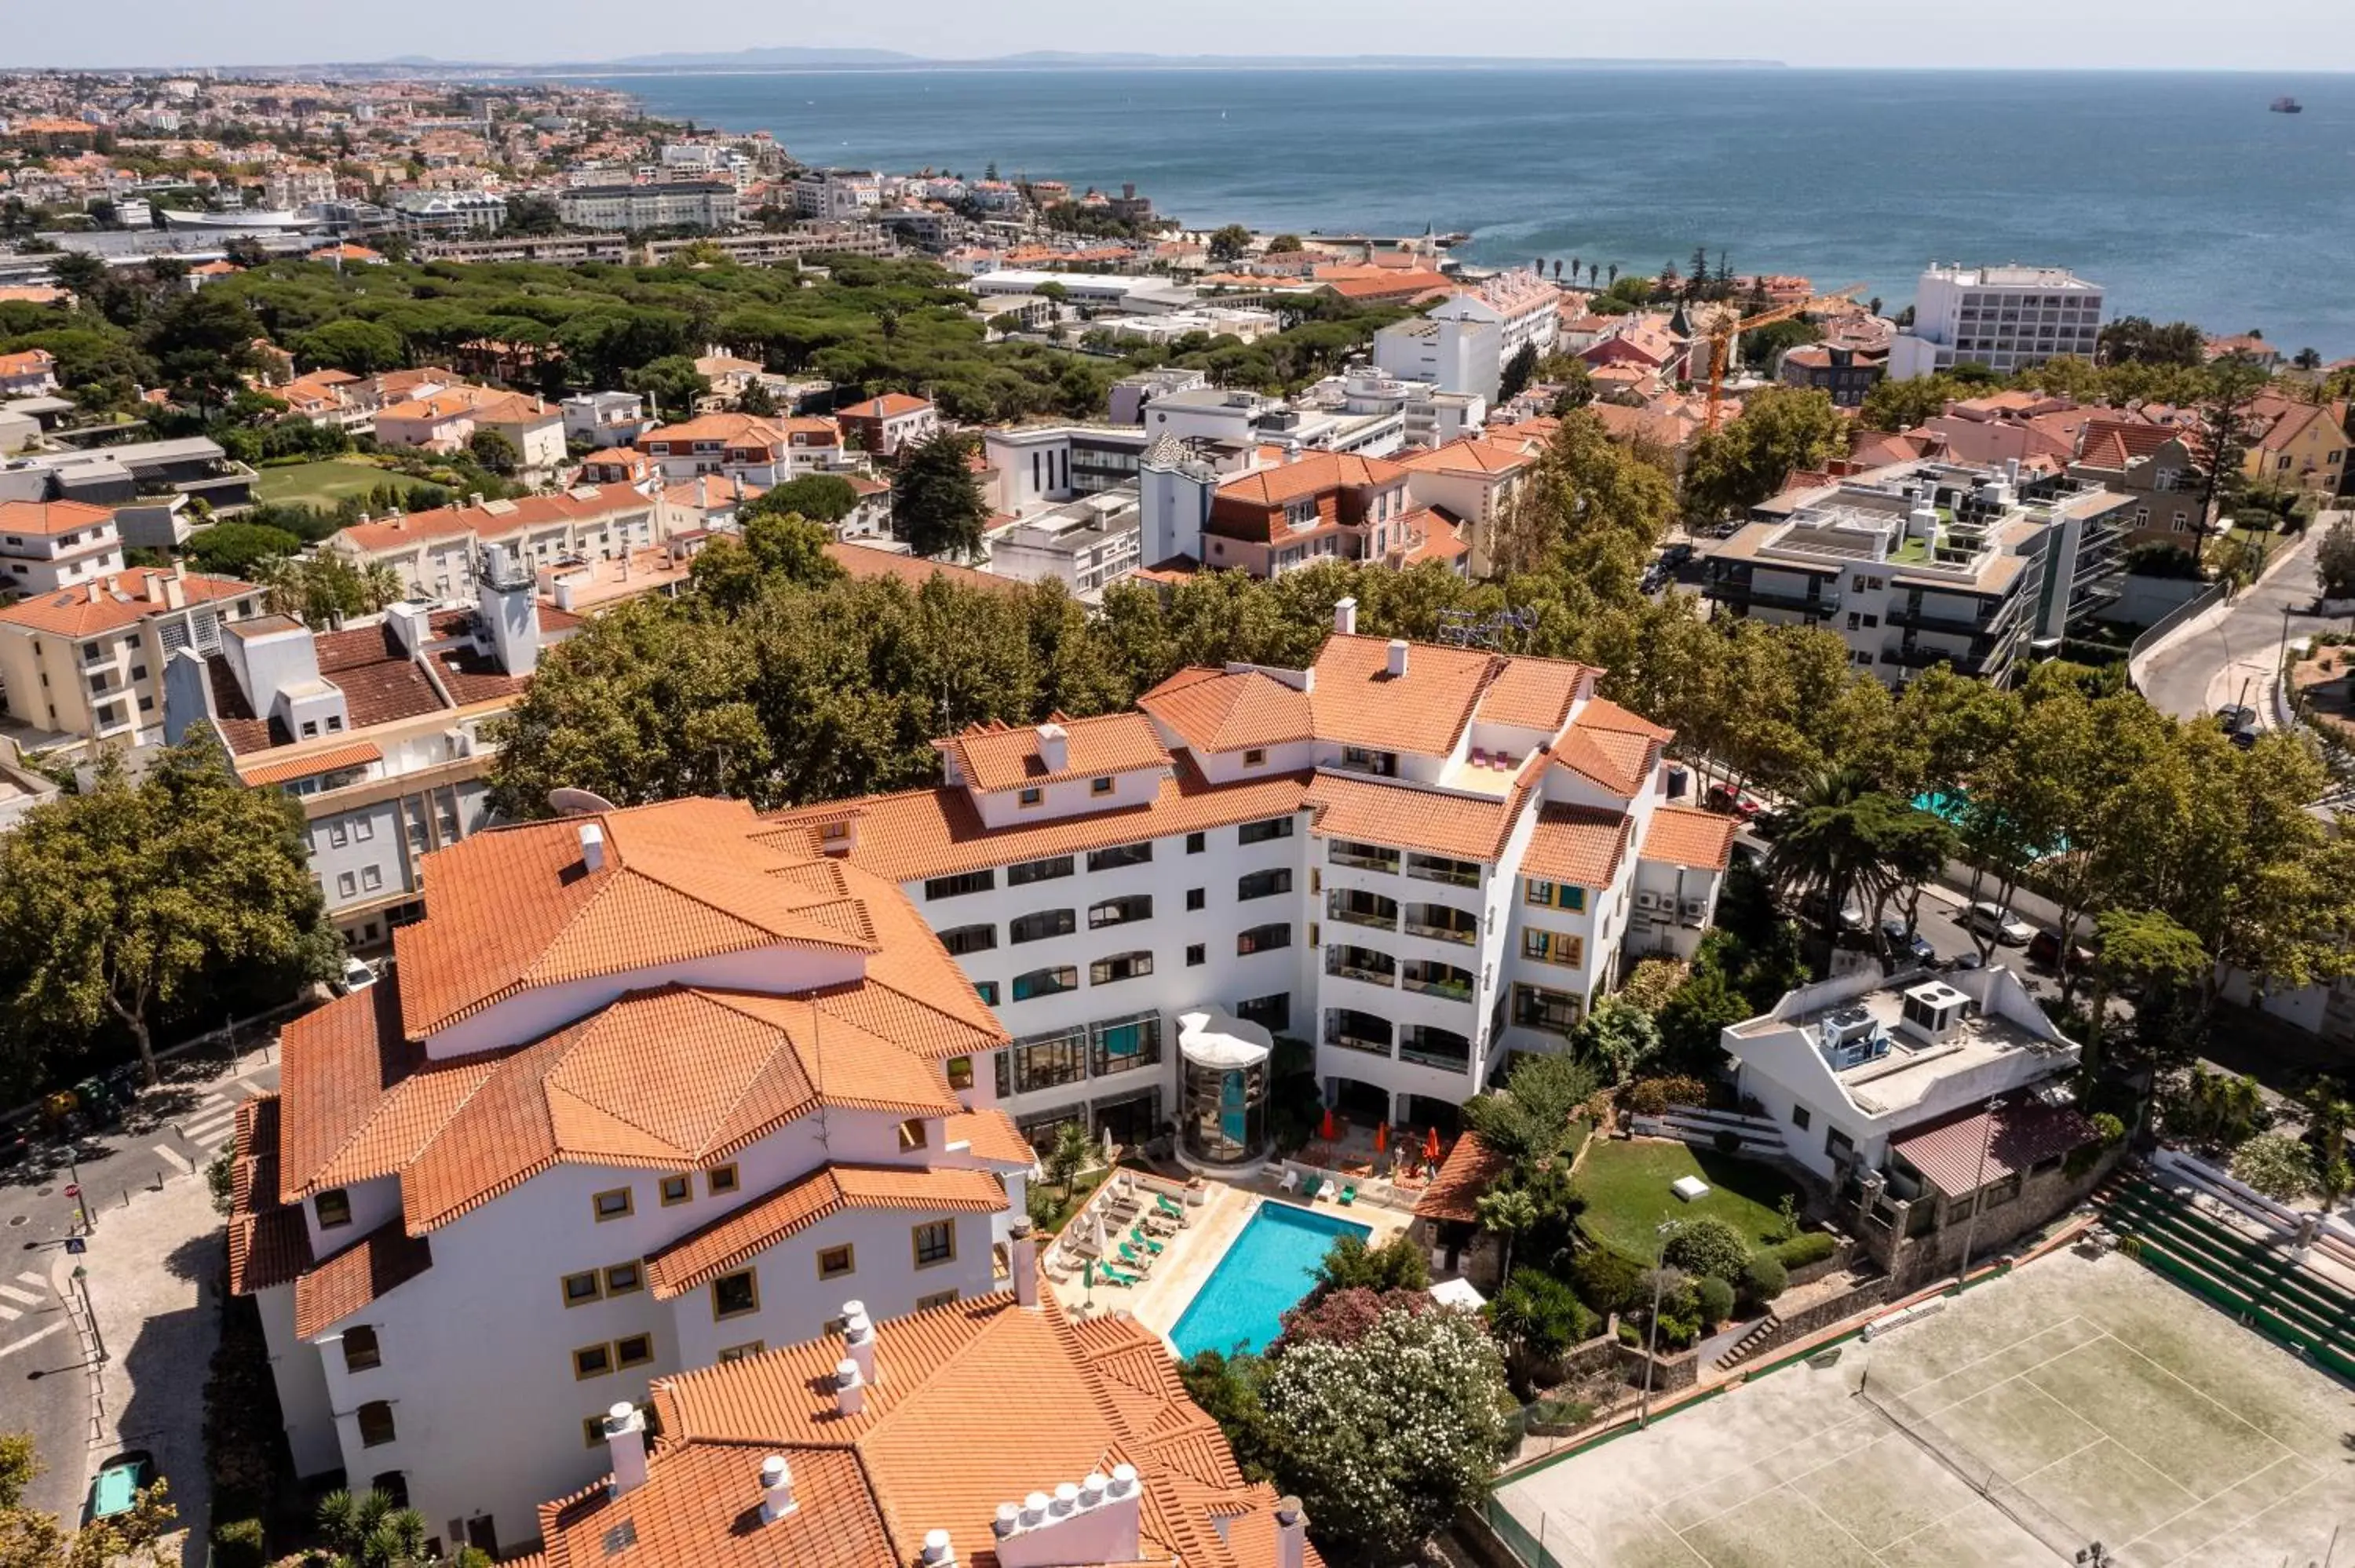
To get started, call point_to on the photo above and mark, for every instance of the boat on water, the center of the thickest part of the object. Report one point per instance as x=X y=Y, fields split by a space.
x=2286 y=105
x=235 y=217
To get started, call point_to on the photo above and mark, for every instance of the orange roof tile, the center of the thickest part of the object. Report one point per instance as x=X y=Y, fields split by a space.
x=1357 y=701
x=1007 y=758
x=1380 y=811
x=1470 y=455
x=705 y=1254
x=352 y=755
x=890 y=405
x=1216 y=711
x=495 y=520
x=1470 y=1168
x=991 y=1137
x=336 y=1286
x=1535 y=693
x=1577 y=844
x=111 y=603
x=1680 y=835
x=867 y=561
x=49 y=518
x=1310 y=474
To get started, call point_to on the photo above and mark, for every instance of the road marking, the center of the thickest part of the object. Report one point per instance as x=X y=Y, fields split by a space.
x=32 y=1276
x=175 y=1159
x=34 y=1338
x=23 y=1297
x=9 y=1314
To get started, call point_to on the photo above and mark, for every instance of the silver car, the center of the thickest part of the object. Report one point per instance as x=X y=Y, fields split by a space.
x=1985 y=919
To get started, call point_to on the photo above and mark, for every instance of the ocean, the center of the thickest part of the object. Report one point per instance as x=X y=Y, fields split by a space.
x=2181 y=193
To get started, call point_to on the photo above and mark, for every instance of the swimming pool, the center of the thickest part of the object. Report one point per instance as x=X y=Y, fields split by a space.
x=1265 y=1270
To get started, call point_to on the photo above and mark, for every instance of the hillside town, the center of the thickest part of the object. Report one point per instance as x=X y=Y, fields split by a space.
x=598 y=720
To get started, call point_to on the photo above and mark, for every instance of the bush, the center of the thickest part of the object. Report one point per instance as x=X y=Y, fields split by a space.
x=1707 y=1245
x=1540 y=1314
x=1812 y=1247
x=1345 y=1317
x=1607 y=1280
x=2274 y=1164
x=238 y=1544
x=1653 y=982
x=1556 y=1417
x=1764 y=1277
x=1714 y=1297
x=1651 y=1096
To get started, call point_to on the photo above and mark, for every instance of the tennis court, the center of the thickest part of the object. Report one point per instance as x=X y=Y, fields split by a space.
x=2078 y=1400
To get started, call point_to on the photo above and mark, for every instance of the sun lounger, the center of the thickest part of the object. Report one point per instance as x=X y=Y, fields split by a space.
x=1310 y=1186
x=1349 y=1195
x=1135 y=1260
x=1112 y=1275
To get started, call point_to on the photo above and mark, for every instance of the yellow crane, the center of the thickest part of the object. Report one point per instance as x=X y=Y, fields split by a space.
x=1721 y=336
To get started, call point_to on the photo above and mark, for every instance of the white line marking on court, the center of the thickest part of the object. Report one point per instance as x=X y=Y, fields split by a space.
x=34 y=1338
x=2288 y=1459
x=9 y=1314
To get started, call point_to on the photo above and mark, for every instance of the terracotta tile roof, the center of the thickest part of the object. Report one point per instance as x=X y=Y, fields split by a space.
x=705 y=1254
x=1680 y=835
x=1312 y=473
x=1007 y=758
x=268 y=1244
x=48 y=518
x=1216 y=711
x=933 y=832
x=353 y=754
x=379 y=681
x=334 y=1288
x=497 y=519
x=109 y=604
x=1535 y=693
x=991 y=1138
x=890 y=405
x=1616 y=759
x=518 y=907
x=1357 y=701
x=865 y=561
x=729 y=429
x=1468 y=1171
x=471 y=677
x=1373 y=810
x=978 y=1404
x=1948 y=1151
x=1603 y=713
x=1470 y=455
x=2114 y=442
x=1578 y=845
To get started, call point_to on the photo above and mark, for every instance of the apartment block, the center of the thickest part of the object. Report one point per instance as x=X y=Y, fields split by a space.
x=436 y=552
x=674 y=204
x=86 y=661
x=759 y=449
x=50 y=544
x=2006 y=318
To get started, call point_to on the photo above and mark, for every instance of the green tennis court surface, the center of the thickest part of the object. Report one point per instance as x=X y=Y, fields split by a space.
x=2075 y=1401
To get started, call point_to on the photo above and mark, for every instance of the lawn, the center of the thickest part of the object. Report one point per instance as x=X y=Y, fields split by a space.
x=322 y=484
x=1625 y=1185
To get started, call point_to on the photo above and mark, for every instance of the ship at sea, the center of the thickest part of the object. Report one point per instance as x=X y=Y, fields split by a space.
x=2286 y=105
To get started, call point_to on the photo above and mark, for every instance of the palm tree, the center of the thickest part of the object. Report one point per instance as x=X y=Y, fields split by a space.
x=1836 y=842
x=372 y=1531
x=1505 y=1214
x=1073 y=1149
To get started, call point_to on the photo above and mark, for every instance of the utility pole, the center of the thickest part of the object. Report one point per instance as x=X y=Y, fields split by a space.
x=1979 y=1189
x=1652 y=1327
x=81 y=1282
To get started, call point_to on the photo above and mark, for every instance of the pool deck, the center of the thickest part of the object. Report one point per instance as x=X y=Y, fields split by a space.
x=1161 y=1297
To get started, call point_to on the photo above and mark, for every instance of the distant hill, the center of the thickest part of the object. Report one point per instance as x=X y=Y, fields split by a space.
x=1048 y=59
x=782 y=55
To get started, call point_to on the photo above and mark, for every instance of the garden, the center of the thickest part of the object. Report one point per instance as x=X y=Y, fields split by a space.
x=323 y=484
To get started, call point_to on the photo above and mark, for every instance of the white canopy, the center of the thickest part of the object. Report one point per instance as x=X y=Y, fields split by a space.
x=1458 y=1293
x=1210 y=1038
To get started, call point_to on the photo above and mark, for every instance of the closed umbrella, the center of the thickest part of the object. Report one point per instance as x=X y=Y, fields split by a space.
x=1431 y=1143
x=1326 y=1130
x=1381 y=1137
x=1099 y=1228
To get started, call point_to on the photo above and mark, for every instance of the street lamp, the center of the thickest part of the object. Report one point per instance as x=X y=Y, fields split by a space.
x=1978 y=1190
x=1652 y=1327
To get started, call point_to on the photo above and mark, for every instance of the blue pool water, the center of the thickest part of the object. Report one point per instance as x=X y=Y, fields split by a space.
x=1268 y=1268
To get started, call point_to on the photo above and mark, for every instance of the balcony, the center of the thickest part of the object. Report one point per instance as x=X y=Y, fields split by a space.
x=1952 y=626
x=1432 y=978
x=1368 y=909
x=1361 y=964
x=1363 y=857
x=1438 y=868
x=1439 y=923
x=1353 y=1031
x=1441 y=1048
x=1731 y=591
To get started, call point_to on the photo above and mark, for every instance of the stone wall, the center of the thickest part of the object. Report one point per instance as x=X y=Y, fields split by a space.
x=1843 y=1255
x=1914 y=1261
x=1868 y=1294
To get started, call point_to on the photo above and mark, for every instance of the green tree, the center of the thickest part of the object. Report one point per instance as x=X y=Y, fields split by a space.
x=756 y=399
x=237 y=548
x=30 y=1538
x=1230 y=243
x=1540 y=1317
x=1529 y=1122
x=495 y=451
x=1763 y=347
x=78 y=272
x=1836 y=843
x=1350 y=1265
x=1517 y=371
x=120 y=898
x=361 y=347
x=1709 y=1246
x=322 y=590
x=1746 y=459
x=1284 y=244
x=1901 y=405
x=2333 y=557
x=2222 y=431
x=936 y=500
x=1616 y=1036
x=1073 y=1150
x=2329 y=1114
x=1592 y=507
x=820 y=497
x=1386 y=1439
x=2133 y=340
x=672 y=383
x=1694 y=1020
x=2277 y=1164
x=1505 y=1214
x=371 y=1532
x=1227 y=1389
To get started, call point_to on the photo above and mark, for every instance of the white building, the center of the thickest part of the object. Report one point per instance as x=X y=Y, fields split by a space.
x=645 y=1091
x=422 y=215
x=836 y=194
x=1454 y=353
x=1416 y=858
x=436 y=554
x=1035 y=465
x=1243 y=325
x=605 y=419
x=1086 y=544
x=1132 y=293
x=2006 y=318
x=674 y=204
x=50 y=545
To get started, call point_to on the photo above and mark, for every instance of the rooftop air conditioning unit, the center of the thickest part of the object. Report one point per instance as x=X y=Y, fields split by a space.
x=1645 y=899
x=1852 y=1036
x=1695 y=909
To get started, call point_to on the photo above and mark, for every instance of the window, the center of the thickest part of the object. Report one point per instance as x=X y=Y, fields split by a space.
x=1260 y=832
x=376 y=1423
x=734 y=1295
x=345 y=887
x=1039 y=871
x=593 y=1431
x=720 y=1179
x=592 y=1360
x=834 y=1262
x=937 y=1299
x=1029 y=797
x=1270 y=1012
x=334 y=1208
x=1038 y=926
x=1799 y=1117
x=338 y=834
x=1197 y=843
x=1554 y=947
x=1555 y=1011
x=1838 y=1145
x=1198 y=897
x=1264 y=883
x=621 y=1278
x=911 y=1133
x=361 y=1351
x=738 y=1352
x=958 y=886
x=1254 y=756
x=1195 y=954
x=960 y=1071
x=1118 y=856
x=583 y=1288
x=1099 y=786
x=613 y=1206
x=676 y=1189
x=393 y=1484
x=372 y=878
x=634 y=1349
x=1046 y=982
x=963 y=939
x=1120 y=966
x=934 y=1242
x=1045 y=1060
x=363 y=828
x=1262 y=939
x=986 y=991
x=1120 y=911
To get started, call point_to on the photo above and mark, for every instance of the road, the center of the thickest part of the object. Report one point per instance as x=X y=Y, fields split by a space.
x=151 y=1252
x=2234 y=658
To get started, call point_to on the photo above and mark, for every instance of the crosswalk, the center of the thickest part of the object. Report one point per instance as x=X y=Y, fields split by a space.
x=210 y=1123
x=28 y=1292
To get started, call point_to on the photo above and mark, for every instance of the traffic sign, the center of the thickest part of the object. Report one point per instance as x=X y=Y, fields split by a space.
x=76 y=1246
x=73 y=1189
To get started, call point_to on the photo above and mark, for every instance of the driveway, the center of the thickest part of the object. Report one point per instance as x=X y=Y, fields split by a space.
x=2233 y=657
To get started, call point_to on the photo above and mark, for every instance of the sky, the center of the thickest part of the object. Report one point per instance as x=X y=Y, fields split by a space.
x=2253 y=35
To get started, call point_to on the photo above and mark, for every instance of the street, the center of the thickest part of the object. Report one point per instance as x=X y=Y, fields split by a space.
x=152 y=1259
x=2233 y=657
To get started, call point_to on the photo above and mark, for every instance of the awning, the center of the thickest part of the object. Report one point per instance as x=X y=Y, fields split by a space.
x=2016 y=1138
x=272 y=770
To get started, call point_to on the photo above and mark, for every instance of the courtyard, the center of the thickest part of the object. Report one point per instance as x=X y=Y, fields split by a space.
x=2075 y=1400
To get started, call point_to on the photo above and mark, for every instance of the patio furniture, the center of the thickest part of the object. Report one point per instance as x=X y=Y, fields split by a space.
x=1289 y=1181
x=1112 y=1275
x=1169 y=1206
x=1349 y=1195
x=1310 y=1186
x=1134 y=1259
x=1137 y=1238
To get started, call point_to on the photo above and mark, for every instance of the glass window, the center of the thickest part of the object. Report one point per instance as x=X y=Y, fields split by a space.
x=960 y=1071
x=1555 y=1011
x=676 y=1189
x=1120 y=911
x=1039 y=870
x=957 y=887
x=934 y=1242
x=621 y=1278
x=986 y=991
x=1270 y=1012
x=1195 y=953
x=1264 y=883
x=1119 y=856
x=1099 y=786
x=592 y=1360
x=1118 y=1044
x=733 y=1295
x=634 y=1349
x=937 y=1299
x=1799 y=1117
x=1254 y=756
x=1260 y=832
x=361 y=1351
x=1120 y=966
x=1197 y=843
x=1038 y=926
x=738 y=1352
x=1046 y=1061
x=1046 y=982
x=1196 y=897
x=1030 y=797
x=582 y=1287
x=834 y=1262
x=963 y=939
x=613 y=1205
x=376 y=1423
x=1262 y=939
x=334 y=1208
x=911 y=1133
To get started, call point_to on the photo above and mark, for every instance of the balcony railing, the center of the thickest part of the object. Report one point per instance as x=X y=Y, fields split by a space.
x=1335 y=963
x=1464 y=935
x=1733 y=592
x=1348 y=1042
x=1453 y=1059
x=1374 y=919
x=1455 y=872
x=1453 y=989
x=1337 y=855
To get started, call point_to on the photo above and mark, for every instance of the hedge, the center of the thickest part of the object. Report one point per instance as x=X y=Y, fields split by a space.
x=1811 y=1246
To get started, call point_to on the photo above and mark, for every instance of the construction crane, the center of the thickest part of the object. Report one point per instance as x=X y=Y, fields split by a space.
x=1721 y=336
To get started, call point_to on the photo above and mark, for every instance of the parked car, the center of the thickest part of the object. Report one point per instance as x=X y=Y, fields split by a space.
x=1985 y=919
x=119 y=1482
x=1851 y=915
x=2235 y=717
x=357 y=976
x=1743 y=805
x=1905 y=944
x=2044 y=948
x=1673 y=556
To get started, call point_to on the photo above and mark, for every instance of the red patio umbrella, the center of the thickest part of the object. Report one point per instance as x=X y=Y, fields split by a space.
x=1381 y=1137
x=1326 y=1132
x=1431 y=1143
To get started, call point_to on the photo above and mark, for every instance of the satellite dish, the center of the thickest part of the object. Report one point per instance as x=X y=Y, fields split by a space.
x=569 y=802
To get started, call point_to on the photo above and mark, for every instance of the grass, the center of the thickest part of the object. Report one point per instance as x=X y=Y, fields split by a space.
x=1910 y=552
x=1086 y=1182
x=323 y=483
x=1625 y=1185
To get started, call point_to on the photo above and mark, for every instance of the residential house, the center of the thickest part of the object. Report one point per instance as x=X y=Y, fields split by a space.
x=1460 y=352
x=2296 y=445
x=759 y=450
x=30 y=373
x=615 y=465
x=448 y=420
x=605 y=419
x=86 y=661
x=2155 y=467
x=50 y=544
x=1847 y=373
x=334 y=399
x=673 y=204
x=888 y=425
x=1475 y=482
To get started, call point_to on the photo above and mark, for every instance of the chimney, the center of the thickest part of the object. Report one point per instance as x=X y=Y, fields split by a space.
x=94 y=587
x=1097 y=1520
x=850 y=1390
x=858 y=1342
x=1022 y=1262
x=1345 y=616
x=1291 y=1534
x=474 y=498
x=1054 y=748
x=1397 y=664
x=180 y=568
x=592 y=845
x=776 y=1489
x=153 y=588
x=626 y=1446
x=938 y=1553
